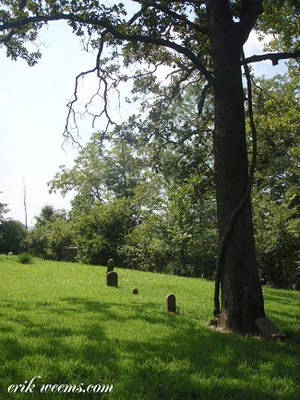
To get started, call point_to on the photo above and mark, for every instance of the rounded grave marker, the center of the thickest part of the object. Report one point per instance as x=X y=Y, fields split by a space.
x=112 y=279
x=171 y=303
x=110 y=265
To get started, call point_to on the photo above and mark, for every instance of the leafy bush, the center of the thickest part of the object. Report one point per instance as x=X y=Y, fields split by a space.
x=24 y=258
x=52 y=236
x=100 y=233
x=144 y=248
x=12 y=234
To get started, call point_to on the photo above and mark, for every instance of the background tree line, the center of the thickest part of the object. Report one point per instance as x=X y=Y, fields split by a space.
x=148 y=199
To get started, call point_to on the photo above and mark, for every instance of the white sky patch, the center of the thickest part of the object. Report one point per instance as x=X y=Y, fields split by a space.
x=254 y=46
x=32 y=119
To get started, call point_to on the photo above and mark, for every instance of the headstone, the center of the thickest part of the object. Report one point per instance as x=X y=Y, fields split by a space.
x=110 y=265
x=112 y=279
x=10 y=253
x=268 y=329
x=135 y=291
x=171 y=303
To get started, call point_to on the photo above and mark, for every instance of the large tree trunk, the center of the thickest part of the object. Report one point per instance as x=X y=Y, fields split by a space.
x=241 y=294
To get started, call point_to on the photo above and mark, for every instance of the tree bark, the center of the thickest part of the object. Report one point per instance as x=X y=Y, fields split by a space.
x=241 y=294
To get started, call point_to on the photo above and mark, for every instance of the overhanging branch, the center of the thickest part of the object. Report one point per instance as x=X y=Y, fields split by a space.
x=180 y=18
x=274 y=57
x=113 y=30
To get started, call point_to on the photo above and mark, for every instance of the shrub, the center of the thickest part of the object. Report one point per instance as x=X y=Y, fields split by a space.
x=101 y=232
x=52 y=236
x=145 y=247
x=24 y=258
x=12 y=234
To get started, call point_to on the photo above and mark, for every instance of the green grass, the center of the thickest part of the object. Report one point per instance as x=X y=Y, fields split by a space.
x=61 y=322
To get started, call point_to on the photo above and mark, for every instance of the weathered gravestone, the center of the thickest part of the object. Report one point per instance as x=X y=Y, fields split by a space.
x=110 y=265
x=112 y=279
x=135 y=291
x=269 y=330
x=171 y=303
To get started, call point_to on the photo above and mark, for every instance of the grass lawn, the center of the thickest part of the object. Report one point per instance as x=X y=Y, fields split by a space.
x=59 y=321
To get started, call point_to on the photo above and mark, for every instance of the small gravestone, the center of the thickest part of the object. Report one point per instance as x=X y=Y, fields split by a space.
x=269 y=330
x=171 y=303
x=112 y=279
x=110 y=265
x=135 y=291
x=10 y=253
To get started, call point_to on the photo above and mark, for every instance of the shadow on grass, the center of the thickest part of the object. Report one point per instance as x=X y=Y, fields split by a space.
x=283 y=309
x=289 y=298
x=181 y=361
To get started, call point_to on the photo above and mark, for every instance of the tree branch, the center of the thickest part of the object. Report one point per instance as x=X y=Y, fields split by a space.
x=104 y=23
x=134 y=18
x=71 y=112
x=203 y=98
x=248 y=16
x=274 y=57
x=177 y=17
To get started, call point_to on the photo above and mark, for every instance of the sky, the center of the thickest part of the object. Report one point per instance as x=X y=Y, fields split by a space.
x=33 y=113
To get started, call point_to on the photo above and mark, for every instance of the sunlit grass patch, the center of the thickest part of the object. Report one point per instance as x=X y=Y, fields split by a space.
x=60 y=321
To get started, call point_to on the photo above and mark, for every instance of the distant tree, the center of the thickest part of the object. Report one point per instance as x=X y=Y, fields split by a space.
x=277 y=115
x=12 y=235
x=46 y=214
x=276 y=196
x=100 y=173
x=191 y=223
x=100 y=233
x=52 y=235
